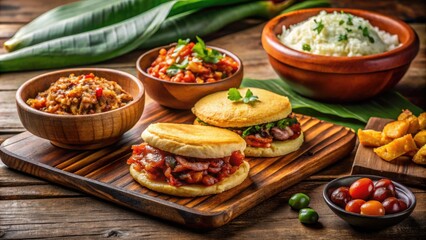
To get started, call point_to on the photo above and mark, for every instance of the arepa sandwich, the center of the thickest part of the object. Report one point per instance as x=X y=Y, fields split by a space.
x=188 y=160
x=262 y=118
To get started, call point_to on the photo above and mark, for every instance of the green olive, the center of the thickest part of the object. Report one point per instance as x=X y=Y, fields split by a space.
x=299 y=201
x=308 y=216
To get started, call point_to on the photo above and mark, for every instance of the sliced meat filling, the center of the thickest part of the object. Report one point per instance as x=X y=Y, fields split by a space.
x=264 y=134
x=179 y=170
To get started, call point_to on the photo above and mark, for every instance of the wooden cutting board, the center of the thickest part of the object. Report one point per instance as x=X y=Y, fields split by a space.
x=104 y=172
x=367 y=162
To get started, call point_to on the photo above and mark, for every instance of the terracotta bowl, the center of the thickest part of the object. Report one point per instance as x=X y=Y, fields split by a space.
x=340 y=79
x=364 y=222
x=90 y=131
x=182 y=95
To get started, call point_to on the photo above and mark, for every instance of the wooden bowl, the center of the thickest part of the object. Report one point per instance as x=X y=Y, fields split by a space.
x=364 y=222
x=340 y=79
x=90 y=131
x=182 y=95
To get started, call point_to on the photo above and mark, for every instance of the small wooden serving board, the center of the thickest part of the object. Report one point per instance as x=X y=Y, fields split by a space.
x=105 y=174
x=404 y=171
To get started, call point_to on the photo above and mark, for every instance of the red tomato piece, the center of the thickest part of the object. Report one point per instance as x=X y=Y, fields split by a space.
x=341 y=196
x=394 y=205
x=354 y=205
x=387 y=184
x=373 y=208
x=381 y=193
x=362 y=189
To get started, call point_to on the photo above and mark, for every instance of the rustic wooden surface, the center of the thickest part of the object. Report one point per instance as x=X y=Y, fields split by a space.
x=402 y=170
x=324 y=144
x=33 y=208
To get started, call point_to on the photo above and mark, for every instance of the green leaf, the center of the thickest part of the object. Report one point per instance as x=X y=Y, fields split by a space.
x=89 y=47
x=319 y=27
x=234 y=94
x=306 y=47
x=307 y=4
x=356 y=115
x=343 y=37
x=249 y=97
x=89 y=15
x=207 y=55
x=172 y=70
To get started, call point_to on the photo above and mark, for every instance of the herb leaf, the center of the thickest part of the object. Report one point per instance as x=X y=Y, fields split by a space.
x=349 y=22
x=249 y=97
x=343 y=37
x=207 y=55
x=180 y=44
x=306 y=47
x=234 y=94
x=319 y=27
x=341 y=22
x=366 y=33
x=174 y=69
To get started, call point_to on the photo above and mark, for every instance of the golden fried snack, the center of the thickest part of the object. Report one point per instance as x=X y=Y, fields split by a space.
x=408 y=116
x=420 y=138
x=420 y=157
x=422 y=121
x=371 y=138
x=396 y=129
x=396 y=148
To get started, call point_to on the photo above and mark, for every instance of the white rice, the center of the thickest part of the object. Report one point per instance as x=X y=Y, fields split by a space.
x=342 y=34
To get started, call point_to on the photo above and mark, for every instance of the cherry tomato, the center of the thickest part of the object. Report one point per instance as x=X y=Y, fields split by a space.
x=362 y=189
x=354 y=205
x=394 y=205
x=373 y=208
x=308 y=216
x=381 y=193
x=299 y=201
x=387 y=184
x=341 y=196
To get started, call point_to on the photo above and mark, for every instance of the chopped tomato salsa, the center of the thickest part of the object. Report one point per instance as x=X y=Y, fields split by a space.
x=179 y=170
x=190 y=62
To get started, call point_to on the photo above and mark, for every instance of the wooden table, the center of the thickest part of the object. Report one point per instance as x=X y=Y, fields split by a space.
x=33 y=208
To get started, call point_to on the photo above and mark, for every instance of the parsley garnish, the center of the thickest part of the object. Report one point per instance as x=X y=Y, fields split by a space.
x=234 y=95
x=341 y=22
x=306 y=47
x=174 y=69
x=207 y=55
x=349 y=22
x=365 y=33
x=319 y=26
x=348 y=29
x=343 y=37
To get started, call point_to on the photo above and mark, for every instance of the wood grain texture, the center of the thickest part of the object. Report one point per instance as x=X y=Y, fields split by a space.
x=104 y=173
x=367 y=162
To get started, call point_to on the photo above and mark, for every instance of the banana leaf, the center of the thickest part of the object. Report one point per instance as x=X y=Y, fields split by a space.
x=89 y=47
x=355 y=115
x=88 y=15
x=307 y=4
x=201 y=23
x=115 y=40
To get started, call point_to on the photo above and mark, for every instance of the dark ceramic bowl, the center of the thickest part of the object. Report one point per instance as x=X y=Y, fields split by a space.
x=340 y=79
x=182 y=95
x=369 y=222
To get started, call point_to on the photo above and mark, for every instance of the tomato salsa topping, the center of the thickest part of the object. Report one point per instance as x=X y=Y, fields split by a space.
x=190 y=62
x=179 y=170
